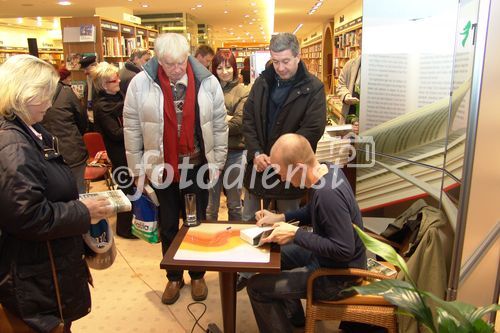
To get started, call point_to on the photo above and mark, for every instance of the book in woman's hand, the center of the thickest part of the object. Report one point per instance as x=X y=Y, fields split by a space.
x=116 y=197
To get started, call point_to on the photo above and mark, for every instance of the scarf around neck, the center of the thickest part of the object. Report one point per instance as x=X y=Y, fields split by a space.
x=174 y=145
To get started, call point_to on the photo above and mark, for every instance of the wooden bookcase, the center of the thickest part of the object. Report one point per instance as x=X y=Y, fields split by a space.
x=114 y=41
x=311 y=55
x=54 y=56
x=346 y=47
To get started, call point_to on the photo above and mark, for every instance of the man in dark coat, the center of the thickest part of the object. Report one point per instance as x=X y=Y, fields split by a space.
x=132 y=66
x=86 y=64
x=286 y=98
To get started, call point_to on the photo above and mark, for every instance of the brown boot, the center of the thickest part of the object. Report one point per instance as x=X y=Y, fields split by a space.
x=199 y=290
x=172 y=292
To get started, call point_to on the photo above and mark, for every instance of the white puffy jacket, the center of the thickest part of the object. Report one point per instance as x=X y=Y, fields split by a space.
x=143 y=121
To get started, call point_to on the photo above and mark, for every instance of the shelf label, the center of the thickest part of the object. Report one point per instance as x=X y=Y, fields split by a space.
x=352 y=23
x=131 y=18
x=127 y=29
x=109 y=26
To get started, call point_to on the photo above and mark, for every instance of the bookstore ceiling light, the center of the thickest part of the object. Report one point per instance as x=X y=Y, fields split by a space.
x=315 y=7
x=298 y=28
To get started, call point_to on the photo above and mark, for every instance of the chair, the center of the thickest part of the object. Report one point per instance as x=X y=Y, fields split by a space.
x=98 y=167
x=368 y=309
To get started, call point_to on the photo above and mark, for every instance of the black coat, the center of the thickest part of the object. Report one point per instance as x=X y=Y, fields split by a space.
x=38 y=201
x=67 y=120
x=108 y=111
x=127 y=73
x=303 y=112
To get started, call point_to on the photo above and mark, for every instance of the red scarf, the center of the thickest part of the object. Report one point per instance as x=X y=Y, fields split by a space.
x=174 y=145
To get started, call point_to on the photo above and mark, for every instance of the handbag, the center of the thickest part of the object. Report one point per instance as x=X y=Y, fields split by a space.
x=9 y=323
x=145 y=221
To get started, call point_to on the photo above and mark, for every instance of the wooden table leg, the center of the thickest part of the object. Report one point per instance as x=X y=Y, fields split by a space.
x=227 y=283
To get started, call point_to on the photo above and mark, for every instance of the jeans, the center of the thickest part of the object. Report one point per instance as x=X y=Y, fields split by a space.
x=252 y=205
x=171 y=201
x=231 y=180
x=276 y=297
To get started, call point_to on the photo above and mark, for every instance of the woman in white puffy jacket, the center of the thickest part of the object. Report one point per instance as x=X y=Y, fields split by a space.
x=176 y=134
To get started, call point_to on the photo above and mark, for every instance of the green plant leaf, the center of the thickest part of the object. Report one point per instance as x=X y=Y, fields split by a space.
x=481 y=311
x=404 y=296
x=446 y=323
x=458 y=310
x=480 y=326
x=383 y=250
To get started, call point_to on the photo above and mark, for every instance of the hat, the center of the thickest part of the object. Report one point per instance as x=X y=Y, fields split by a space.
x=63 y=73
x=100 y=250
x=87 y=61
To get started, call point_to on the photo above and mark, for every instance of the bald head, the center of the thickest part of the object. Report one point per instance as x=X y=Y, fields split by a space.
x=291 y=149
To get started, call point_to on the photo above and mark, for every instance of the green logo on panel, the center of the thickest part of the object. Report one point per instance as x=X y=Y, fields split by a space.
x=466 y=32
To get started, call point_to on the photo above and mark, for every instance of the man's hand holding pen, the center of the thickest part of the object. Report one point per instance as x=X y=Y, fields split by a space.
x=282 y=232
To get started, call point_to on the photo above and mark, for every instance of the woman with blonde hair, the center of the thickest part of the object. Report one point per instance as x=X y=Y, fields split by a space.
x=42 y=218
x=108 y=120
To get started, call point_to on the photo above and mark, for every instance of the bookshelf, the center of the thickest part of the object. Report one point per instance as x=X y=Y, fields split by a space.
x=346 y=46
x=311 y=55
x=109 y=40
x=54 y=56
x=7 y=52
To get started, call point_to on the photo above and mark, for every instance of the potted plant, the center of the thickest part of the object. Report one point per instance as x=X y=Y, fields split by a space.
x=429 y=310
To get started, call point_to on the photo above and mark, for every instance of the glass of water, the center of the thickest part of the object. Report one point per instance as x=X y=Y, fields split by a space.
x=190 y=204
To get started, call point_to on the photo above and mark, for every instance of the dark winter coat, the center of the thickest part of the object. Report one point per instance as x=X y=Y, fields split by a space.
x=303 y=112
x=67 y=120
x=108 y=113
x=38 y=201
x=126 y=75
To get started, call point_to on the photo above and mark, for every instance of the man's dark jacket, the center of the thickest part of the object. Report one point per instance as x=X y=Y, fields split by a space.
x=67 y=120
x=127 y=73
x=303 y=112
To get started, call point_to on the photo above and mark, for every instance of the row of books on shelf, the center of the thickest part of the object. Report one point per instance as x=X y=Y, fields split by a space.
x=349 y=39
x=312 y=48
x=346 y=53
x=121 y=46
x=311 y=55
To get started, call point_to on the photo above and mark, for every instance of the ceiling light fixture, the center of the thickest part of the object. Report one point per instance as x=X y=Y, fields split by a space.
x=144 y=5
x=315 y=7
x=298 y=28
x=64 y=3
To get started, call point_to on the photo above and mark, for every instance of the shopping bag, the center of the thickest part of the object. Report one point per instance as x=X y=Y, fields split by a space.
x=145 y=221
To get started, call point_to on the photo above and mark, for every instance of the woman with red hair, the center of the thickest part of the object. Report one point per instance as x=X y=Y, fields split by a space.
x=235 y=94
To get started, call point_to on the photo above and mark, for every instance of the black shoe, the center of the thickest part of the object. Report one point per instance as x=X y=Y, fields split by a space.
x=241 y=282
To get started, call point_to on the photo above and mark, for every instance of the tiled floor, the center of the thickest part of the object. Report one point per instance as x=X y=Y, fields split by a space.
x=126 y=296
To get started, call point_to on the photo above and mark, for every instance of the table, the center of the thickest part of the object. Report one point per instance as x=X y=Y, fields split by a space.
x=227 y=271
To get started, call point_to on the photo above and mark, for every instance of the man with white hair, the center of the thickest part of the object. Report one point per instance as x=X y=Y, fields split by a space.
x=174 y=113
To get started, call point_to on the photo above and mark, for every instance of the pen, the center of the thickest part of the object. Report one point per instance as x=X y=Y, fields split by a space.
x=228 y=228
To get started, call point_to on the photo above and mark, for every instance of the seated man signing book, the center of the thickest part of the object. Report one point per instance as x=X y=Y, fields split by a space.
x=331 y=210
